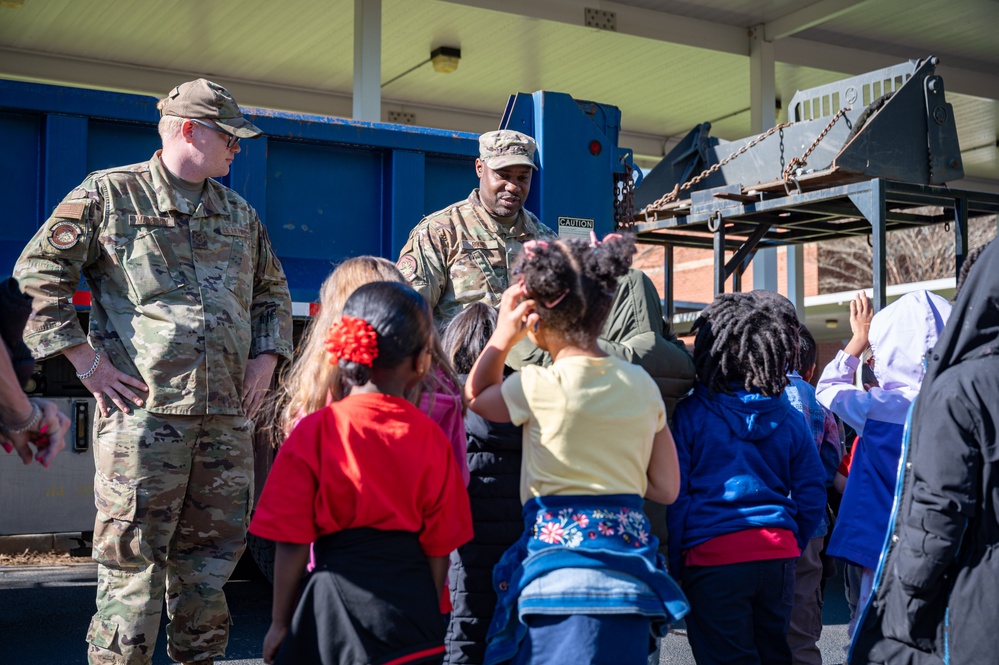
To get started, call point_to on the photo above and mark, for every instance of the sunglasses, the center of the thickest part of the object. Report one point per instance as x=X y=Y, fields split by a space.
x=230 y=139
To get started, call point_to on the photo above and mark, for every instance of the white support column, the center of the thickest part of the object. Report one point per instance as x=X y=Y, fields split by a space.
x=796 y=278
x=368 y=60
x=762 y=103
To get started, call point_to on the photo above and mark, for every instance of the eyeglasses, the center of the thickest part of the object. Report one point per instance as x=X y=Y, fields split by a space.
x=230 y=139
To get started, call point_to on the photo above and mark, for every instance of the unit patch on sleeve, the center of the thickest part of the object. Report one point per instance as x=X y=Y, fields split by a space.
x=407 y=266
x=65 y=235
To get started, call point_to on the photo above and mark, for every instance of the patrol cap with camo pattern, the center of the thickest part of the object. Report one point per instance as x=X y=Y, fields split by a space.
x=505 y=147
x=203 y=99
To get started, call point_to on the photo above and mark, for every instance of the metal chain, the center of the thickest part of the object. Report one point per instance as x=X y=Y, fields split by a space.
x=797 y=162
x=624 y=198
x=672 y=196
x=781 y=150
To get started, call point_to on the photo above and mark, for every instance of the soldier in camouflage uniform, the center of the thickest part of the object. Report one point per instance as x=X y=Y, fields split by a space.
x=190 y=311
x=463 y=253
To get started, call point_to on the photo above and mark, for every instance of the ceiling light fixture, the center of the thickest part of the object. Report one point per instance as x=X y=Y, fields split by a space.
x=444 y=59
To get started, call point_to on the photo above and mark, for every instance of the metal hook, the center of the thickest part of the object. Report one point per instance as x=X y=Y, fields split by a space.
x=797 y=185
x=714 y=221
x=947 y=227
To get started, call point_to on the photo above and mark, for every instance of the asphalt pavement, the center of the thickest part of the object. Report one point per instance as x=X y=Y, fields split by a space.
x=44 y=614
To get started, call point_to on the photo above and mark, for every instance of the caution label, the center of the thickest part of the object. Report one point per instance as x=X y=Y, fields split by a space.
x=574 y=227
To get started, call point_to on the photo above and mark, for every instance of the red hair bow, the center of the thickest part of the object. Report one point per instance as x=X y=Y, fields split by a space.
x=354 y=340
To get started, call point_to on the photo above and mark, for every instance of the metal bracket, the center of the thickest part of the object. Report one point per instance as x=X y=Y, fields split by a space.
x=941 y=134
x=81 y=426
x=748 y=248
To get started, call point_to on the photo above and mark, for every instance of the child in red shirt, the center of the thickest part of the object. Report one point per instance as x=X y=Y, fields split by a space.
x=372 y=481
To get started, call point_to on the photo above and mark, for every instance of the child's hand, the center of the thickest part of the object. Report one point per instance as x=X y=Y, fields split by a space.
x=272 y=642
x=861 y=313
x=483 y=389
x=516 y=315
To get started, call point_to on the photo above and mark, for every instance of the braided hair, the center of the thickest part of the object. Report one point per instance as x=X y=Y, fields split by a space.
x=745 y=342
x=574 y=282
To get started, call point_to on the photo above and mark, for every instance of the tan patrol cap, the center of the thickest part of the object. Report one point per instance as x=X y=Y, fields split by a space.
x=505 y=147
x=206 y=100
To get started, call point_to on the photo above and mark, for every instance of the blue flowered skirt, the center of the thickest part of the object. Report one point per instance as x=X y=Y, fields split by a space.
x=608 y=532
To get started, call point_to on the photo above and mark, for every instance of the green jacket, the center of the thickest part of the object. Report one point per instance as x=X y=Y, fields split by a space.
x=636 y=331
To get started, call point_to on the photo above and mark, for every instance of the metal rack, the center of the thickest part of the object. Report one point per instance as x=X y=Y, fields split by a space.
x=729 y=219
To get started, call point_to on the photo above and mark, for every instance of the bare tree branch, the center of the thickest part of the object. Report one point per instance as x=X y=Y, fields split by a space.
x=913 y=255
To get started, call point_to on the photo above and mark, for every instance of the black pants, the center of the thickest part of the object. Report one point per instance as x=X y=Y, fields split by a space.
x=740 y=612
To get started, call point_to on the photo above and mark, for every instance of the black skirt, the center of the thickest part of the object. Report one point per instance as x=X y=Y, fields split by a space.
x=370 y=601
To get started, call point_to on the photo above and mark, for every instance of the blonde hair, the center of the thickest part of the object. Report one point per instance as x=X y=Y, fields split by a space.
x=312 y=381
x=169 y=125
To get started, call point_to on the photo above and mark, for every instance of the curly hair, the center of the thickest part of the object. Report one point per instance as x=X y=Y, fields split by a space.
x=745 y=342
x=574 y=282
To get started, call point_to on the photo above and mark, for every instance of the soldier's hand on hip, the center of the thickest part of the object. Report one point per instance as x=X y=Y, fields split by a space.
x=104 y=380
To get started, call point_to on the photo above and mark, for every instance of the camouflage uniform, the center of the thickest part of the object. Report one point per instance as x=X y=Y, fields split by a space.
x=462 y=254
x=181 y=298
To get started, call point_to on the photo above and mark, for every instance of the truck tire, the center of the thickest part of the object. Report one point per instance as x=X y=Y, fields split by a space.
x=262 y=551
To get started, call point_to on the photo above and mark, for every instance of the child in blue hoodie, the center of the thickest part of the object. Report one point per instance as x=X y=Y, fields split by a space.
x=751 y=484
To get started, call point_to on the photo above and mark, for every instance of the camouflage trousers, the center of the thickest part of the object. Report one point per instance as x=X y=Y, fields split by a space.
x=173 y=498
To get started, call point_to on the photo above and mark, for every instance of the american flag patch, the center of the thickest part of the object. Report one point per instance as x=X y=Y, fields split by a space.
x=70 y=210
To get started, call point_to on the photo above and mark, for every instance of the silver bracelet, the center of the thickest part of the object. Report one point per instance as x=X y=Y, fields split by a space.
x=28 y=425
x=93 y=368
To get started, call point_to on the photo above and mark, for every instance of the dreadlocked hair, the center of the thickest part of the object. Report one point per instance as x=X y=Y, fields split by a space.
x=574 y=282
x=745 y=342
x=788 y=316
